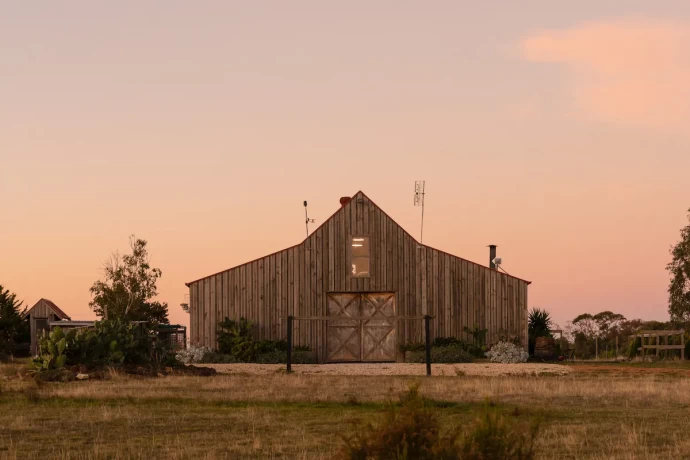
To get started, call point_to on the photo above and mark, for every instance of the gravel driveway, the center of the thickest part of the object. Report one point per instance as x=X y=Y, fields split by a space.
x=475 y=369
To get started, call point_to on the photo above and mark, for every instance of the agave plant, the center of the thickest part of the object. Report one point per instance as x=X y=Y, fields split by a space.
x=539 y=325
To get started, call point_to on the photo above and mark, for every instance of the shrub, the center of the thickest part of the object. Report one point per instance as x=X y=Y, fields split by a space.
x=478 y=335
x=193 y=354
x=507 y=353
x=473 y=349
x=446 y=342
x=213 y=357
x=235 y=338
x=270 y=346
x=492 y=436
x=449 y=354
x=412 y=346
x=413 y=431
x=236 y=345
x=270 y=357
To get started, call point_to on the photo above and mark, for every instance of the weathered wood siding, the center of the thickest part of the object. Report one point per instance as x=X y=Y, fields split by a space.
x=295 y=281
x=41 y=310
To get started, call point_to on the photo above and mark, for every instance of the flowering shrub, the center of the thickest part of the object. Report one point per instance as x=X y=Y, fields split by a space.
x=193 y=354
x=507 y=353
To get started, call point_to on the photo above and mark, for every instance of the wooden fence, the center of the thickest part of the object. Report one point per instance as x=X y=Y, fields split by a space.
x=661 y=340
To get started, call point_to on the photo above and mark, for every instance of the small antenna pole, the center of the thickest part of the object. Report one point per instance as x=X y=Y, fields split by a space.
x=419 y=201
x=307 y=219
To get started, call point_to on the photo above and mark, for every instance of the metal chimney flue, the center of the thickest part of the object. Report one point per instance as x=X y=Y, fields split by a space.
x=492 y=256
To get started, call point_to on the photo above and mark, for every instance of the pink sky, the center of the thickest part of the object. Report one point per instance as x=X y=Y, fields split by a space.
x=559 y=132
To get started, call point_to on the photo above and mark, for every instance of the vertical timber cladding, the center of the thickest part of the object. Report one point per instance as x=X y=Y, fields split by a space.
x=361 y=339
x=461 y=295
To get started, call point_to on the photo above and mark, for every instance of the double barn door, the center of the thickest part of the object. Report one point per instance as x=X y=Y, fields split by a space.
x=368 y=335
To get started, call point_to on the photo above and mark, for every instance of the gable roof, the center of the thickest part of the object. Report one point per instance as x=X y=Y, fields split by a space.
x=51 y=305
x=331 y=217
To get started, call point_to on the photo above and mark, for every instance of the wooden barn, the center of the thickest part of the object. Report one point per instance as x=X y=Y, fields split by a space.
x=358 y=264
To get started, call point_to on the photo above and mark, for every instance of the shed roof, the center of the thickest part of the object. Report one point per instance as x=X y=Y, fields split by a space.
x=51 y=305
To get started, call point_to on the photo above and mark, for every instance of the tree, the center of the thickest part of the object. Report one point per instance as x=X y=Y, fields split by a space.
x=679 y=268
x=14 y=328
x=128 y=287
x=586 y=325
x=608 y=322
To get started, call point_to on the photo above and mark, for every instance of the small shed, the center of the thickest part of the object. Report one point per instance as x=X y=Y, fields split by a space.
x=173 y=335
x=41 y=315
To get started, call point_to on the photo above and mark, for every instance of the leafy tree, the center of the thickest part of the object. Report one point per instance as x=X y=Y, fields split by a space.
x=128 y=287
x=585 y=324
x=14 y=328
x=608 y=322
x=538 y=325
x=679 y=268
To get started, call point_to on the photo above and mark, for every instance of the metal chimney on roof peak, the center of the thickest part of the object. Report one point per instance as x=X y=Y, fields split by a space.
x=492 y=256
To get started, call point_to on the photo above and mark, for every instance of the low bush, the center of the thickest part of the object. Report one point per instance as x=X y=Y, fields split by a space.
x=493 y=436
x=448 y=354
x=507 y=353
x=193 y=354
x=269 y=357
x=411 y=430
x=214 y=357
x=447 y=341
x=473 y=349
x=412 y=346
x=235 y=338
x=237 y=345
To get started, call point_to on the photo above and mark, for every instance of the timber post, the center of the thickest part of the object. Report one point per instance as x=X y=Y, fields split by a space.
x=427 y=347
x=289 y=344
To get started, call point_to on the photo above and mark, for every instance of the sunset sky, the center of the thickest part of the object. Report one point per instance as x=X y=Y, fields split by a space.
x=559 y=131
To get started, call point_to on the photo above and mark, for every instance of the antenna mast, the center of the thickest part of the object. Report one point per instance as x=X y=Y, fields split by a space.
x=307 y=219
x=419 y=201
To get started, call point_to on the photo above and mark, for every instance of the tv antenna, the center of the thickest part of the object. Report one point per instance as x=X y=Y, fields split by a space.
x=308 y=220
x=419 y=201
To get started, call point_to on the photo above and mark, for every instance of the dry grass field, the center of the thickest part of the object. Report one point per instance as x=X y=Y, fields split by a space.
x=601 y=413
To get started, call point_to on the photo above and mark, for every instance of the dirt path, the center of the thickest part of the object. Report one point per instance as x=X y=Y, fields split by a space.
x=478 y=369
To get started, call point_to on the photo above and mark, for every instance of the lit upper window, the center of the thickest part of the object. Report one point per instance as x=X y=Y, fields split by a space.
x=360 y=256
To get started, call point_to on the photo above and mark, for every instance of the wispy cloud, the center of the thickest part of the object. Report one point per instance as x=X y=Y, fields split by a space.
x=626 y=71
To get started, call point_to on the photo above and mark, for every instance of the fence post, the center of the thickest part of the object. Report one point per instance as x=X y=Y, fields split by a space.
x=427 y=347
x=682 y=342
x=289 y=344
